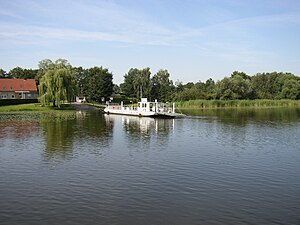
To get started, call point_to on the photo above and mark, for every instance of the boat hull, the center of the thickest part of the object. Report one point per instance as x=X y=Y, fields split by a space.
x=142 y=113
x=129 y=112
x=143 y=109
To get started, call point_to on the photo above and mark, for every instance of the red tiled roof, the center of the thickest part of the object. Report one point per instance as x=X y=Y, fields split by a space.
x=17 y=85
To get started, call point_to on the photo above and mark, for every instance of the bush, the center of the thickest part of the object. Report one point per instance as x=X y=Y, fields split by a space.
x=17 y=101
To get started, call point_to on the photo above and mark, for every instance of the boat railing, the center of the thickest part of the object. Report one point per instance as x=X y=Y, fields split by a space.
x=114 y=106
x=130 y=108
x=123 y=108
x=166 y=109
x=151 y=106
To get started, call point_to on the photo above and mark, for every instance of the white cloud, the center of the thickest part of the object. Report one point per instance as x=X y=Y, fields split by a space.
x=34 y=33
x=82 y=21
x=9 y=14
x=88 y=28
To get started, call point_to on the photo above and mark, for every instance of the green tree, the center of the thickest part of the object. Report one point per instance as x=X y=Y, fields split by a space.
x=3 y=73
x=188 y=85
x=57 y=86
x=190 y=94
x=62 y=64
x=47 y=64
x=81 y=78
x=98 y=84
x=178 y=86
x=162 y=87
x=127 y=87
x=210 y=89
x=21 y=73
x=16 y=72
x=241 y=74
x=234 y=88
x=30 y=73
x=291 y=89
x=116 y=89
x=142 y=84
x=270 y=85
x=191 y=91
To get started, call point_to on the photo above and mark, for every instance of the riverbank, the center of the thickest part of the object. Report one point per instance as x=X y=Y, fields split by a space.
x=100 y=106
x=32 y=107
x=38 y=107
x=210 y=104
x=192 y=104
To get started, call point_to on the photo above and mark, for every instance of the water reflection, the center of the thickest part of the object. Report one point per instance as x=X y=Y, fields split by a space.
x=182 y=171
x=58 y=132
x=240 y=129
x=143 y=126
x=17 y=126
x=64 y=134
x=142 y=133
x=243 y=117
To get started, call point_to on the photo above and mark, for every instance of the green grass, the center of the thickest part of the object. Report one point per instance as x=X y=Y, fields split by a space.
x=210 y=104
x=31 y=107
x=96 y=105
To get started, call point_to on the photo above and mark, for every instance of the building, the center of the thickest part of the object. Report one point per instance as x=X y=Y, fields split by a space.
x=80 y=98
x=18 y=89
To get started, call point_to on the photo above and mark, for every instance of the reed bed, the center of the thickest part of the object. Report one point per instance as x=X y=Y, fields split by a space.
x=210 y=104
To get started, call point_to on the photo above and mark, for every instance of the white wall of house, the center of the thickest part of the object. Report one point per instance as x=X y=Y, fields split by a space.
x=18 y=95
x=7 y=95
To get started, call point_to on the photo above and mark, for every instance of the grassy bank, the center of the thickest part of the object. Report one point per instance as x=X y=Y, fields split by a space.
x=102 y=106
x=31 y=107
x=210 y=104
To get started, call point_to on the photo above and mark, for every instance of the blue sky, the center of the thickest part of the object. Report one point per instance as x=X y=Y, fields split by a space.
x=193 y=39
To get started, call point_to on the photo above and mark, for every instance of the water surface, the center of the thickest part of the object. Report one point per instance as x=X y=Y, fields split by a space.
x=212 y=167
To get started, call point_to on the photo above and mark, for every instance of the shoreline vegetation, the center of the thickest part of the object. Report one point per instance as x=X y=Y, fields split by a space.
x=191 y=104
x=213 y=104
x=35 y=107
x=59 y=82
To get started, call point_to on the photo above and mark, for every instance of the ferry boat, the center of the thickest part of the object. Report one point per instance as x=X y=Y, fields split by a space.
x=144 y=108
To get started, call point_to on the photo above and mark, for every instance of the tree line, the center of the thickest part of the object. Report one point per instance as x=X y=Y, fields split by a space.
x=59 y=81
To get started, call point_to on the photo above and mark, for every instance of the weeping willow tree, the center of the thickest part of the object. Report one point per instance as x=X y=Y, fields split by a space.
x=142 y=84
x=57 y=86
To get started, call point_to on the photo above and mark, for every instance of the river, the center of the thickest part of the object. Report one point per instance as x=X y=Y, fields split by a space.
x=211 y=167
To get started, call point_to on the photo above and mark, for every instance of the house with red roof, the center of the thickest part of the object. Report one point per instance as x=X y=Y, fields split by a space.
x=18 y=89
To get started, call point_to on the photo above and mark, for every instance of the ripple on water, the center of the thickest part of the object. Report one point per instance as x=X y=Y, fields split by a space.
x=93 y=169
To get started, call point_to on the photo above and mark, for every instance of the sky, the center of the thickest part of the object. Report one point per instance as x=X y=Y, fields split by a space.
x=193 y=39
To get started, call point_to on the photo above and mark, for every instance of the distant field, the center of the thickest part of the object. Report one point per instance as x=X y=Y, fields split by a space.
x=236 y=103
